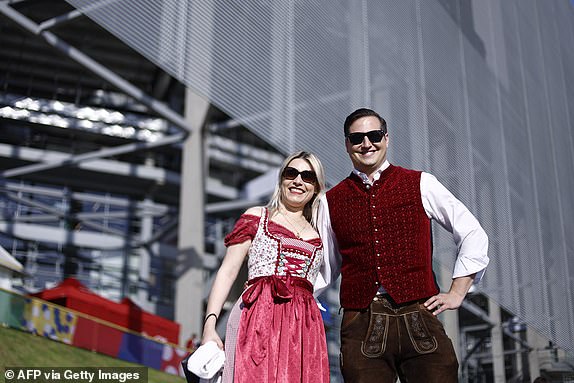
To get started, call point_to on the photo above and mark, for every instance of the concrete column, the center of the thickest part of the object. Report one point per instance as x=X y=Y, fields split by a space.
x=539 y=355
x=520 y=370
x=449 y=318
x=496 y=340
x=146 y=231
x=190 y=283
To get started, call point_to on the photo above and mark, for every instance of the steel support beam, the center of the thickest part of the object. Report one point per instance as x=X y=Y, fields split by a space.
x=106 y=152
x=41 y=233
x=59 y=20
x=480 y=313
x=62 y=214
x=95 y=67
x=156 y=209
x=107 y=75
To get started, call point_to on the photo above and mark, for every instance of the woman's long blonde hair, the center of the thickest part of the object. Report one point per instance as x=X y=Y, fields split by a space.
x=311 y=209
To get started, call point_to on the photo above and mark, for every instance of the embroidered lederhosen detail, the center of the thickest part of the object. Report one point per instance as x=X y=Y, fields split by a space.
x=421 y=339
x=387 y=304
x=381 y=312
x=375 y=342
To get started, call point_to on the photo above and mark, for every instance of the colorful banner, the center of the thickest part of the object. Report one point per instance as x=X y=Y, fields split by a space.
x=11 y=309
x=71 y=327
x=171 y=358
x=48 y=320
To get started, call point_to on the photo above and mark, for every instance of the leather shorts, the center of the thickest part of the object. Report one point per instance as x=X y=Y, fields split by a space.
x=387 y=340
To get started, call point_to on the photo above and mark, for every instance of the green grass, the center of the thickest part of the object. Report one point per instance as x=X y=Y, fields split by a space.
x=21 y=349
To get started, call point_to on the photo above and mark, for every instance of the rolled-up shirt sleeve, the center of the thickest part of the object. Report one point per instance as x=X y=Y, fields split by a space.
x=331 y=266
x=470 y=238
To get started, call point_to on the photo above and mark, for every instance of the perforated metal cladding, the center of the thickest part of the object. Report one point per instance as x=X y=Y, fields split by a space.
x=478 y=93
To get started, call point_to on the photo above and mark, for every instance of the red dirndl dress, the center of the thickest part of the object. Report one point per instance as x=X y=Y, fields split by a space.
x=280 y=334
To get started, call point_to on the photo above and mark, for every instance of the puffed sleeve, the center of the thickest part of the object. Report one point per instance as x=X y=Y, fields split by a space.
x=245 y=229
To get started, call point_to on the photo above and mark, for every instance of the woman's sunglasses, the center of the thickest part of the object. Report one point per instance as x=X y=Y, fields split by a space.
x=307 y=176
x=373 y=135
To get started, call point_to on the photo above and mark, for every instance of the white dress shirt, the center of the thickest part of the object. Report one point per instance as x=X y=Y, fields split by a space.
x=439 y=204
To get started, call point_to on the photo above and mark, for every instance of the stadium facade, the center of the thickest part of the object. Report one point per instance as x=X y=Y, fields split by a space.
x=133 y=134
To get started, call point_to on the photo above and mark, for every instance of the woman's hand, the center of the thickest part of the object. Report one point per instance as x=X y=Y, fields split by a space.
x=211 y=335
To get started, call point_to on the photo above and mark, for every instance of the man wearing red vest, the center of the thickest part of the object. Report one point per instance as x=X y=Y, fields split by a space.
x=376 y=228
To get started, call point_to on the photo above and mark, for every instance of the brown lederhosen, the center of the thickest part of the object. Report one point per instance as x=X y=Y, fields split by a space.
x=387 y=340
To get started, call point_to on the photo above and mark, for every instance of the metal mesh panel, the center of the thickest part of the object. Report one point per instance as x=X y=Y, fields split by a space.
x=478 y=93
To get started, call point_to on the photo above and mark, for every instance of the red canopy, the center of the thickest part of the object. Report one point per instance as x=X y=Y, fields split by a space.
x=74 y=295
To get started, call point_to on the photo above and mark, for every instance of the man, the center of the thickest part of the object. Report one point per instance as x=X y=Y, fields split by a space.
x=378 y=236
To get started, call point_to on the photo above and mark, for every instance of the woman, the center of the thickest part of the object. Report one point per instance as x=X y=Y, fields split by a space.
x=280 y=335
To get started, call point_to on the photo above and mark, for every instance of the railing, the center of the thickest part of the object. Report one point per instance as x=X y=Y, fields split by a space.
x=80 y=330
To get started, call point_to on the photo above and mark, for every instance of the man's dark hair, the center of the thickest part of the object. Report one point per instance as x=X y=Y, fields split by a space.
x=360 y=113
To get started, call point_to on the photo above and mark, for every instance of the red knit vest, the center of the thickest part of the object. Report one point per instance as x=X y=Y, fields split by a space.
x=384 y=238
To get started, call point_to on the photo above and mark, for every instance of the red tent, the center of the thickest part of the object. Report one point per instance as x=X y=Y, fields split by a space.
x=72 y=294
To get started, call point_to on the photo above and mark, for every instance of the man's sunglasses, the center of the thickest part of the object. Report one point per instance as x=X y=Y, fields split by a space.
x=373 y=135
x=307 y=176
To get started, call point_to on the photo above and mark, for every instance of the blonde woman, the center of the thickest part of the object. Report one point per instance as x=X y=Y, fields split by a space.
x=280 y=334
